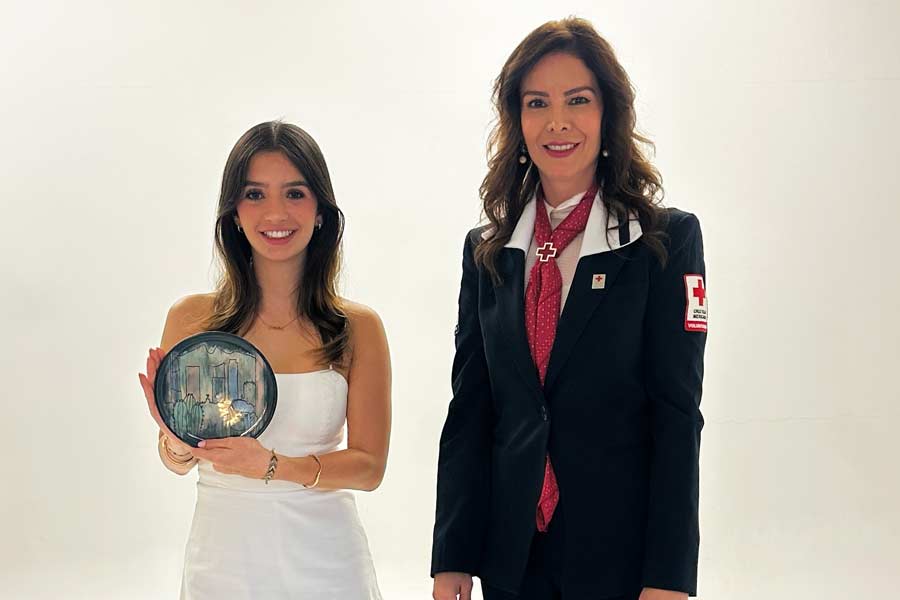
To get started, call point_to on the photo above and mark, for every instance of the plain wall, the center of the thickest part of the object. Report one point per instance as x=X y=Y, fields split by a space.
x=775 y=122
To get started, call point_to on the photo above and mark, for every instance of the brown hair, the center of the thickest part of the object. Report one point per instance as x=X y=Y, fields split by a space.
x=628 y=181
x=237 y=294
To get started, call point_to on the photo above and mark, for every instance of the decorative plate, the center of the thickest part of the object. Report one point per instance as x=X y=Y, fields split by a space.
x=215 y=385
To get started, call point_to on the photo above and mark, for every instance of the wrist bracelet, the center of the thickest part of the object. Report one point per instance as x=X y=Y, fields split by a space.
x=178 y=459
x=318 y=473
x=273 y=464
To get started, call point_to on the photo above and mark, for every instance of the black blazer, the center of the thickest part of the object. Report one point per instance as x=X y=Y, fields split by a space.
x=619 y=415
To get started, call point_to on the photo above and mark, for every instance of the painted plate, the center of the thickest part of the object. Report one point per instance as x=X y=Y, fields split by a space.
x=215 y=385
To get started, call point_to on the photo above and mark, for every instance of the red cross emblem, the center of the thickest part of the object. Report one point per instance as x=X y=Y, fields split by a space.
x=699 y=291
x=546 y=252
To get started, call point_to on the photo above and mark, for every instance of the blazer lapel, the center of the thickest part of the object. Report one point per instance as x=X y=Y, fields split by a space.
x=600 y=255
x=510 y=295
x=511 y=305
x=582 y=301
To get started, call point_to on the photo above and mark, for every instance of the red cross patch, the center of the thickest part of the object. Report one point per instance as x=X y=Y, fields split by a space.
x=696 y=313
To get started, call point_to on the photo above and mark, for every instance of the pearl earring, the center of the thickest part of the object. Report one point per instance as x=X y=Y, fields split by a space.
x=605 y=153
x=523 y=154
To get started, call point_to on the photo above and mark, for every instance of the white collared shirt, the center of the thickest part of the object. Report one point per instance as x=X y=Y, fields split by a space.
x=594 y=239
x=567 y=260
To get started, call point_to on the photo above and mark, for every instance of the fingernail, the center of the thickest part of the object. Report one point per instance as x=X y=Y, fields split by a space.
x=202 y=444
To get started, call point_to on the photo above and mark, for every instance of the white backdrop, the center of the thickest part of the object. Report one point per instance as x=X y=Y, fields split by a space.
x=775 y=123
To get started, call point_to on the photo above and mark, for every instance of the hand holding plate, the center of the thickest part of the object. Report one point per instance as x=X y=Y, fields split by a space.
x=235 y=456
x=153 y=360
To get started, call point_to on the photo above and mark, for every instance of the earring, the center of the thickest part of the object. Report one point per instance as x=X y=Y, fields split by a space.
x=523 y=154
x=241 y=229
x=605 y=153
x=318 y=225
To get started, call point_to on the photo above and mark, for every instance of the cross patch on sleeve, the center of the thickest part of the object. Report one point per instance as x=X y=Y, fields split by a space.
x=696 y=315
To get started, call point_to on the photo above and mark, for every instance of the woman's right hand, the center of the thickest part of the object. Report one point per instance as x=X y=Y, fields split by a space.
x=147 y=381
x=451 y=584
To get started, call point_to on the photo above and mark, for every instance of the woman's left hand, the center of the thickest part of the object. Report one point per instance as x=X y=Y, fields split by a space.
x=235 y=456
x=656 y=594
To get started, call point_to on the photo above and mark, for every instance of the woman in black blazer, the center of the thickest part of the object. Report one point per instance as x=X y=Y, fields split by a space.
x=569 y=460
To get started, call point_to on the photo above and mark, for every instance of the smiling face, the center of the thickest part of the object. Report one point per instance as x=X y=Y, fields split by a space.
x=561 y=115
x=277 y=209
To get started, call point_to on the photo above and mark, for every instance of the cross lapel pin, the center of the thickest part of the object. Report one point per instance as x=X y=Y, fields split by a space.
x=546 y=252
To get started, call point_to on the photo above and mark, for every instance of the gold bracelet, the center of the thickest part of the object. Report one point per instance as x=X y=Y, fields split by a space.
x=172 y=456
x=273 y=464
x=318 y=473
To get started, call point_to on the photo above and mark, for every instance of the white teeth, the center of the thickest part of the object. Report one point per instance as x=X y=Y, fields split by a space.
x=277 y=234
x=562 y=148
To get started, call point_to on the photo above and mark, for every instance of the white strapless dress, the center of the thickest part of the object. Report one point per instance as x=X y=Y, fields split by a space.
x=281 y=540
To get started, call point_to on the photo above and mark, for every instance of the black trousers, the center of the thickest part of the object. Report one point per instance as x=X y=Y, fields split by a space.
x=543 y=575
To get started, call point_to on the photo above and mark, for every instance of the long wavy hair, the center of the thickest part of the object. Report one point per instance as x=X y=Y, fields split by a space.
x=237 y=295
x=629 y=183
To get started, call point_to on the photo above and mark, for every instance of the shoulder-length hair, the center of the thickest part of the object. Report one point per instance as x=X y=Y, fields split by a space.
x=237 y=295
x=629 y=183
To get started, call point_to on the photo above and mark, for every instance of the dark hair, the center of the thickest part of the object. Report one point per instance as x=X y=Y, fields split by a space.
x=629 y=182
x=237 y=294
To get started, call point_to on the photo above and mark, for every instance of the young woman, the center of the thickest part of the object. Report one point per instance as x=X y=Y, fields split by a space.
x=278 y=235
x=569 y=458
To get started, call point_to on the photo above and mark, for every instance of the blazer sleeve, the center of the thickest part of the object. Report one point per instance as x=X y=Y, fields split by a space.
x=674 y=378
x=463 y=479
